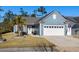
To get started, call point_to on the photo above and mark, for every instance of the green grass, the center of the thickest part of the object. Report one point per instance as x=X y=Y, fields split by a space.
x=27 y=41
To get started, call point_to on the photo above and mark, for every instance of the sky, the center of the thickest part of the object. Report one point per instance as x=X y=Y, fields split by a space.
x=64 y=10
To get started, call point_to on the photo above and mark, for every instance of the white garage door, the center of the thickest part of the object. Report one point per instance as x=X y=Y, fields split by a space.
x=53 y=30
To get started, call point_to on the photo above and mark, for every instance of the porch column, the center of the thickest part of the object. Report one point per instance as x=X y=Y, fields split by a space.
x=40 y=29
x=15 y=28
x=69 y=30
x=25 y=28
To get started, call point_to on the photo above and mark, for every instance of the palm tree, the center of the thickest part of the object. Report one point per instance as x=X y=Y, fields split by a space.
x=42 y=10
x=20 y=22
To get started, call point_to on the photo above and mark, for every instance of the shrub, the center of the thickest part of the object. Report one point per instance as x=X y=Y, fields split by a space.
x=4 y=40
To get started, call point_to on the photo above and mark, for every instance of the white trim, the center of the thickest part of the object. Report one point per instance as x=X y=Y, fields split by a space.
x=40 y=28
x=69 y=30
x=69 y=33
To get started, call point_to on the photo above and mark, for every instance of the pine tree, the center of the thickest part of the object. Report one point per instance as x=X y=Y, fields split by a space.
x=42 y=10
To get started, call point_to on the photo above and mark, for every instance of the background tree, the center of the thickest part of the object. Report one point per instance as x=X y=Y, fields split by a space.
x=8 y=21
x=34 y=14
x=1 y=29
x=42 y=10
x=0 y=32
x=23 y=12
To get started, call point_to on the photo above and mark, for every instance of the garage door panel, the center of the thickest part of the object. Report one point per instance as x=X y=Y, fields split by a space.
x=53 y=31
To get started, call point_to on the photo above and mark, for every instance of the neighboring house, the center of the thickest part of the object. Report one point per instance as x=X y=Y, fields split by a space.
x=52 y=24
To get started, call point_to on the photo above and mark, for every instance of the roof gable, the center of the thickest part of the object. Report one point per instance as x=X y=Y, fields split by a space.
x=69 y=18
x=49 y=18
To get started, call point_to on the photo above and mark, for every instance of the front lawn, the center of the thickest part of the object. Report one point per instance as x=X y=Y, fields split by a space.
x=26 y=41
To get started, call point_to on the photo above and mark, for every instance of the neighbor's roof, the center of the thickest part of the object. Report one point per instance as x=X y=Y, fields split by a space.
x=76 y=26
x=77 y=19
x=70 y=18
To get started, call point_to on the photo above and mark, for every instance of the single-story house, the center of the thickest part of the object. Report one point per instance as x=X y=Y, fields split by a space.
x=52 y=24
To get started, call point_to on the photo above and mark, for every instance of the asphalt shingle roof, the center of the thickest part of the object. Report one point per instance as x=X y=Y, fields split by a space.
x=70 y=18
x=31 y=20
x=76 y=26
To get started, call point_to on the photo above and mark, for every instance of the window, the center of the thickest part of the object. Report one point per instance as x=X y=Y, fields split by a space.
x=44 y=26
x=62 y=26
x=54 y=16
x=59 y=26
x=49 y=26
x=52 y=26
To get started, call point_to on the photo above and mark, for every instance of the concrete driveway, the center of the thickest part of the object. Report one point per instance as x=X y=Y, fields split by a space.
x=64 y=42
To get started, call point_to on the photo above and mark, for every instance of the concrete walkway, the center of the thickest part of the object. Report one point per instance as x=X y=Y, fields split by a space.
x=66 y=43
